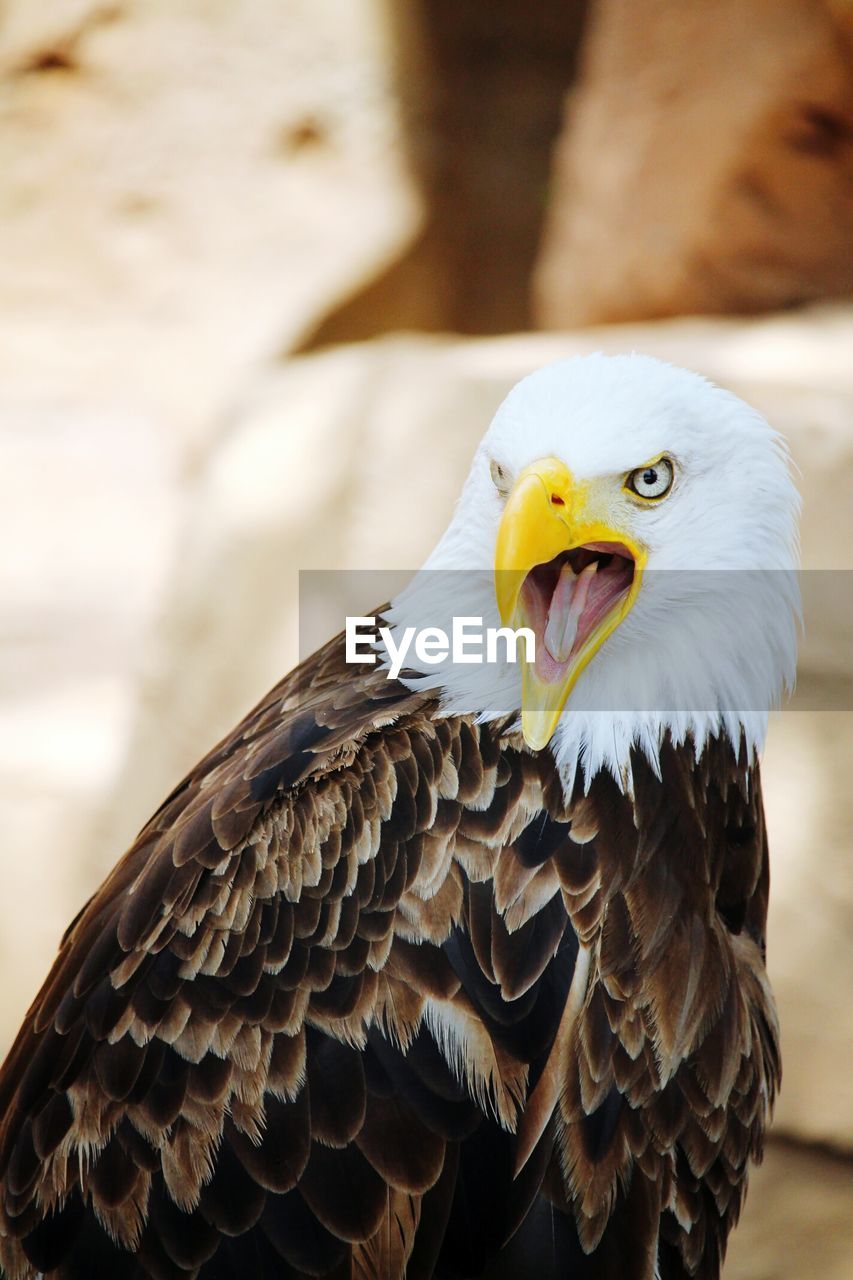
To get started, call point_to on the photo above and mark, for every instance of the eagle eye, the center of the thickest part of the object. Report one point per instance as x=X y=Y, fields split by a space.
x=653 y=481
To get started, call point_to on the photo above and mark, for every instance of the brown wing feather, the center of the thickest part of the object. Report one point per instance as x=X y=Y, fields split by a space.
x=298 y=1028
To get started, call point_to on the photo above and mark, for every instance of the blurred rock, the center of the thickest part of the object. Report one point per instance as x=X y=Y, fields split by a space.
x=797 y=1221
x=36 y=38
x=171 y=198
x=705 y=165
x=90 y=510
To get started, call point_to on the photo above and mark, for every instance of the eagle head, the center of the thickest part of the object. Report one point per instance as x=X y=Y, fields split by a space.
x=640 y=524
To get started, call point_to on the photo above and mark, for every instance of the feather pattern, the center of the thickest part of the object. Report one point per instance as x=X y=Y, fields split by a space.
x=370 y=996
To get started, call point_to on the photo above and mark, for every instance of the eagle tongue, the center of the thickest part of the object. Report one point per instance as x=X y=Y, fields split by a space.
x=564 y=613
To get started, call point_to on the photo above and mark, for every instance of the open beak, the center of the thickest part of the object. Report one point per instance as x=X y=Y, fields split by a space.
x=565 y=574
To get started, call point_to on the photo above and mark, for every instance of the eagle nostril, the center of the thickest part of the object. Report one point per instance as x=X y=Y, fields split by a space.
x=557 y=501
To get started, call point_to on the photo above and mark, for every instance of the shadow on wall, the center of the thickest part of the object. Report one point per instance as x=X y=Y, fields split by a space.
x=536 y=219
x=481 y=89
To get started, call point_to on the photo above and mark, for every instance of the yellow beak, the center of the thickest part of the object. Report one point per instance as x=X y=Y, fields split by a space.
x=548 y=513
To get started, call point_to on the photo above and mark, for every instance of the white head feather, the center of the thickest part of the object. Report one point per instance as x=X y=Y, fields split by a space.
x=710 y=644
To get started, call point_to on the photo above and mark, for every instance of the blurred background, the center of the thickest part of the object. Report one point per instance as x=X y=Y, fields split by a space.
x=267 y=267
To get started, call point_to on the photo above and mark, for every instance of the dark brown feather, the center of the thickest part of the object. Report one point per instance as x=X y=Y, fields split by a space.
x=369 y=995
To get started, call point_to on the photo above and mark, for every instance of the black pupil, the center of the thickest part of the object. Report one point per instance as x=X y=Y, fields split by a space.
x=650 y=476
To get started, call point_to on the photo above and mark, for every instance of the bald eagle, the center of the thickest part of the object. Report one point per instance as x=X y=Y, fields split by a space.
x=459 y=973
